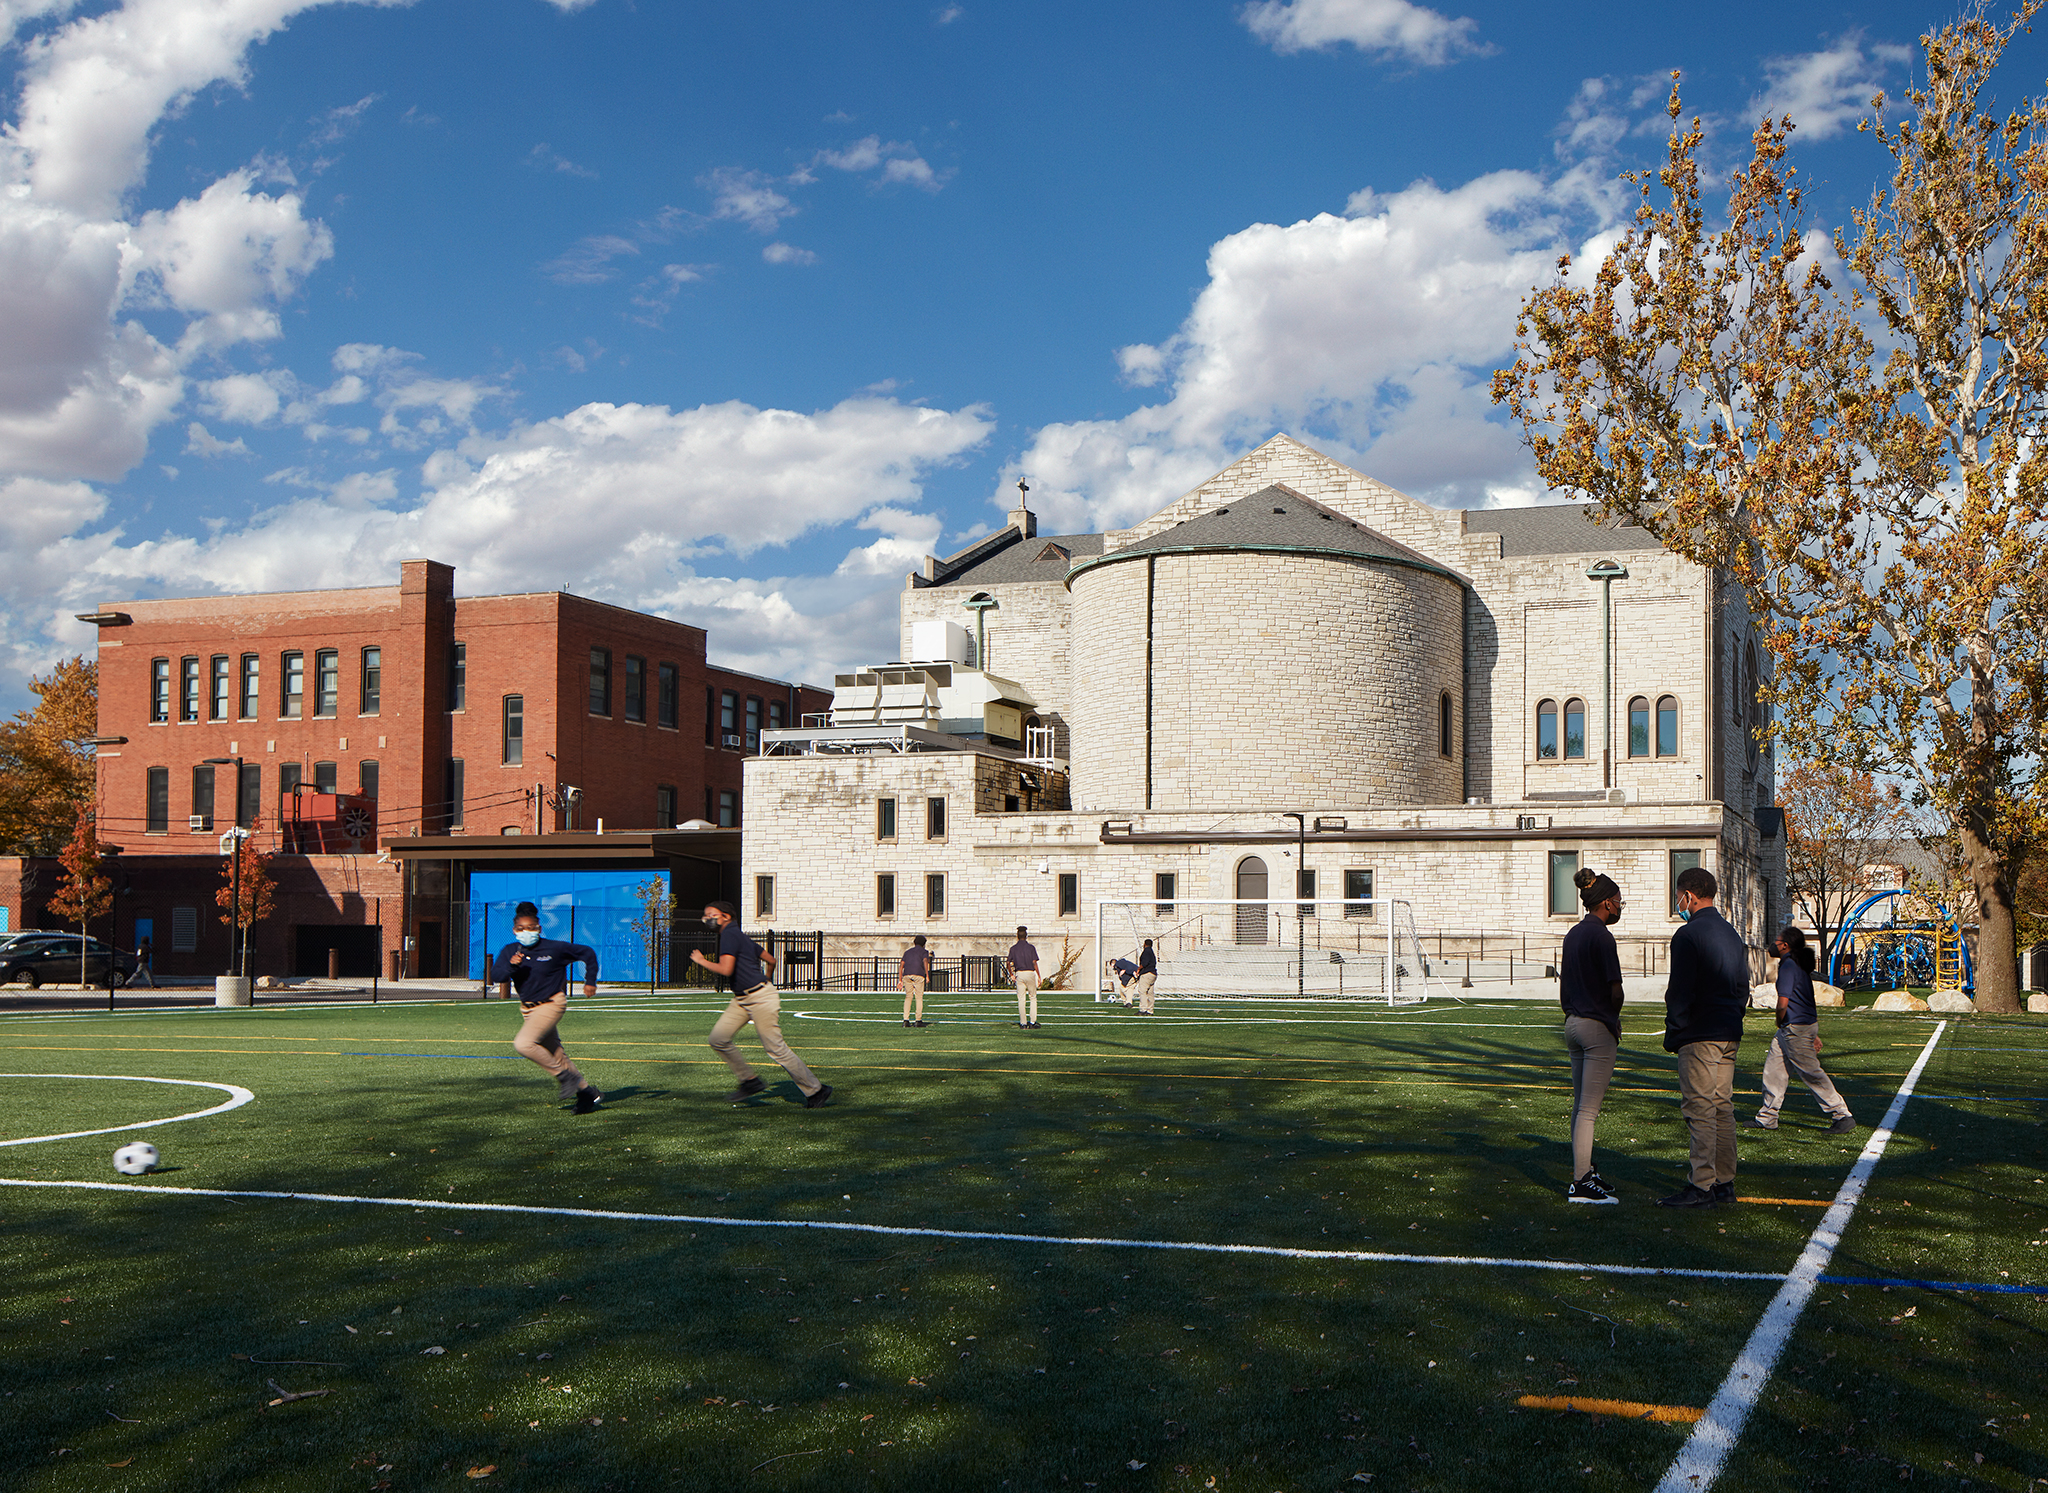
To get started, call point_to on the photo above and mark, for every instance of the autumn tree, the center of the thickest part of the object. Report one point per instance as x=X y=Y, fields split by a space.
x=1838 y=823
x=257 y=888
x=1881 y=516
x=84 y=889
x=46 y=759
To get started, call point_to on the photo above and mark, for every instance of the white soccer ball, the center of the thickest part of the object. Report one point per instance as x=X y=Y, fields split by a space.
x=133 y=1160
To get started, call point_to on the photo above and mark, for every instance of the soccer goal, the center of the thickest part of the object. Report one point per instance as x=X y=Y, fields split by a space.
x=1269 y=949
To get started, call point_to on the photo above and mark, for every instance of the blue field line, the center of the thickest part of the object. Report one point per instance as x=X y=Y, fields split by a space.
x=1932 y=1285
x=1989 y=1098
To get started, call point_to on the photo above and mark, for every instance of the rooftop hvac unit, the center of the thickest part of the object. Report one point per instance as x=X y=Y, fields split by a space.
x=199 y=824
x=734 y=741
x=934 y=640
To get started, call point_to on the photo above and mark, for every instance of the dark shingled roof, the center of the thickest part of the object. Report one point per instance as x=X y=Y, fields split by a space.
x=1042 y=558
x=1273 y=518
x=1556 y=529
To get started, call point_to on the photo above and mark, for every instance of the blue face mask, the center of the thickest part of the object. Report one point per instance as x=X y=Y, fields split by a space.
x=1685 y=914
x=527 y=937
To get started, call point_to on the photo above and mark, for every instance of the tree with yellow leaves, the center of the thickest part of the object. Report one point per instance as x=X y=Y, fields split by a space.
x=46 y=760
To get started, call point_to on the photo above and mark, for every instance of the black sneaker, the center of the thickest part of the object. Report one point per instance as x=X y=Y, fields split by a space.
x=1724 y=1192
x=820 y=1099
x=587 y=1099
x=1753 y=1123
x=906 y=1021
x=1687 y=1196
x=1843 y=1126
x=917 y=1023
x=1590 y=1189
x=1034 y=1026
x=747 y=1090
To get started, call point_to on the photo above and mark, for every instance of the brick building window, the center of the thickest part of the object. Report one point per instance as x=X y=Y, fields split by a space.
x=291 y=700
x=1546 y=730
x=1564 y=897
x=636 y=689
x=1070 y=894
x=289 y=776
x=327 y=682
x=885 y=895
x=373 y=681
x=326 y=777
x=367 y=777
x=157 y=801
x=935 y=894
x=454 y=793
x=667 y=696
x=728 y=808
x=664 y=807
x=1575 y=729
x=728 y=719
x=458 y=676
x=601 y=681
x=252 y=686
x=1667 y=726
x=221 y=698
x=935 y=819
x=1357 y=893
x=202 y=796
x=159 y=690
x=764 y=896
x=885 y=819
x=514 y=744
x=188 y=689
x=1639 y=727
x=249 y=795
x=778 y=715
x=1163 y=885
x=753 y=723
x=1445 y=724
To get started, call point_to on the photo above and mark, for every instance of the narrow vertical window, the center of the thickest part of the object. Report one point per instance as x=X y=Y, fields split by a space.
x=292 y=696
x=454 y=794
x=636 y=689
x=326 y=682
x=157 y=801
x=188 y=689
x=366 y=775
x=935 y=894
x=935 y=819
x=221 y=695
x=753 y=723
x=1575 y=728
x=373 y=681
x=1163 y=884
x=600 y=681
x=764 y=896
x=1546 y=730
x=885 y=819
x=1305 y=888
x=778 y=715
x=515 y=730
x=458 y=676
x=667 y=697
x=326 y=777
x=252 y=686
x=710 y=717
x=1681 y=861
x=1639 y=727
x=1667 y=726
x=664 y=807
x=1070 y=894
x=728 y=809
x=885 y=895
x=728 y=719
x=1564 y=897
x=1446 y=732
x=249 y=795
x=202 y=797
x=159 y=689
x=1357 y=893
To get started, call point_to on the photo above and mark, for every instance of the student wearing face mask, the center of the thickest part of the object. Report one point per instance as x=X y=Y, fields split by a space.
x=1703 y=1004
x=539 y=967
x=1589 y=989
x=754 y=998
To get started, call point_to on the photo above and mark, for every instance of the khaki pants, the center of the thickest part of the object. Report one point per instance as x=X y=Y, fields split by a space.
x=1706 y=1088
x=763 y=1006
x=1027 y=997
x=1793 y=1050
x=538 y=1042
x=1141 y=991
x=1592 y=1047
x=913 y=995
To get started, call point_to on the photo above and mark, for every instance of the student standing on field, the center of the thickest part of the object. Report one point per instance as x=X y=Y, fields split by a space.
x=539 y=967
x=754 y=999
x=1148 y=976
x=1589 y=989
x=1023 y=960
x=1797 y=1044
x=917 y=969
x=1703 y=1005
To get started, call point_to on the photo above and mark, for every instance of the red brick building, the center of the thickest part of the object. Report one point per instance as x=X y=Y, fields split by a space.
x=391 y=712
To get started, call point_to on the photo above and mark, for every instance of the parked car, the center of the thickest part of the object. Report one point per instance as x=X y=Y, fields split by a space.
x=35 y=959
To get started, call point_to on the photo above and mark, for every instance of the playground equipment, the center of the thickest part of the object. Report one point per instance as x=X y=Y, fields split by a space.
x=1889 y=954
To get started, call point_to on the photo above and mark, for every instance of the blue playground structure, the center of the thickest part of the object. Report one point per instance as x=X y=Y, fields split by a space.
x=1891 y=955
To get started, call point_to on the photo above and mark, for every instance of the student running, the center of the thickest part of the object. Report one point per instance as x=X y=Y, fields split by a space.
x=754 y=999
x=539 y=968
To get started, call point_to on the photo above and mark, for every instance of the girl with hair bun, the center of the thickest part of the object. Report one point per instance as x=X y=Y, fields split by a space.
x=1589 y=989
x=1796 y=1046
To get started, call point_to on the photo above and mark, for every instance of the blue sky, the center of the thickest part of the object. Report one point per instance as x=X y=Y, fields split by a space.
x=733 y=312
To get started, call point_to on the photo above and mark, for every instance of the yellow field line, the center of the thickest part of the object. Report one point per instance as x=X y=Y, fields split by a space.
x=1792 y=1202
x=1628 y=1408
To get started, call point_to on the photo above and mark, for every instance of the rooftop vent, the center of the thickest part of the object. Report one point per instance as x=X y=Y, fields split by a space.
x=1278 y=509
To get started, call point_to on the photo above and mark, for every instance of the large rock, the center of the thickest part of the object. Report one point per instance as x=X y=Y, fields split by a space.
x=1827 y=995
x=1898 y=1000
x=1763 y=997
x=1950 y=1000
x=2037 y=1003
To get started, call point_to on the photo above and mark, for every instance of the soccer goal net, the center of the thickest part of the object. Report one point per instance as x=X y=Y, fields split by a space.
x=1364 y=950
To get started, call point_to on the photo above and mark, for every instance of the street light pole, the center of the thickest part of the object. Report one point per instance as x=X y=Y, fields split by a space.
x=109 y=855
x=1300 y=921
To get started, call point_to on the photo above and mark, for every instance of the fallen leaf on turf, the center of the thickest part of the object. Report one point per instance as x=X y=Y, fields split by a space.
x=1361 y=1477
x=346 y=1328
x=432 y=1352
x=867 y=1417
x=1135 y=1465
x=531 y=1424
x=482 y=1471
x=131 y=1459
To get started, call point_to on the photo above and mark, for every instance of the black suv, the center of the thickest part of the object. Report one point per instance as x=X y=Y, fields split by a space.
x=33 y=958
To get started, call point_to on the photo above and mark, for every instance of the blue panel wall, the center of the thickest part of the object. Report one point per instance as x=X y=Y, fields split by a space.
x=590 y=907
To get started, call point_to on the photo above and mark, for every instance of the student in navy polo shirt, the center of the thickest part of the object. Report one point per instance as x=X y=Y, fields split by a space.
x=754 y=999
x=916 y=969
x=539 y=967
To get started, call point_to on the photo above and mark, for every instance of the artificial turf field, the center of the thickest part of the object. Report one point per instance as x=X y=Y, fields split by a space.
x=145 y=1332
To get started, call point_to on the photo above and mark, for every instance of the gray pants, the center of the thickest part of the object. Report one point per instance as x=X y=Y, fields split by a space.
x=1793 y=1049
x=1706 y=1087
x=1592 y=1047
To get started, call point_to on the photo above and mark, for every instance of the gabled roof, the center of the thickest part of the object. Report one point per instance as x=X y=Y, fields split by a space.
x=1043 y=558
x=1556 y=529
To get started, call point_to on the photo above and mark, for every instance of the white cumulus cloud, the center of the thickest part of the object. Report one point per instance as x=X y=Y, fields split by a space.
x=1393 y=28
x=1827 y=91
x=788 y=254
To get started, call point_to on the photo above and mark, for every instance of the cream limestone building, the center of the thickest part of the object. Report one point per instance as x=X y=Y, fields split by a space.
x=1487 y=700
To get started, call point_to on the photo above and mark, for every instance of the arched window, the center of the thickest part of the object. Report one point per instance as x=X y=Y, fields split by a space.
x=1546 y=730
x=1639 y=727
x=1251 y=886
x=1575 y=728
x=1667 y=725
x=1444 y=724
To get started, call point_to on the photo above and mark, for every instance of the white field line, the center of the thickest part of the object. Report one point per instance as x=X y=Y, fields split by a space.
x=237 y=1097
x=1714 y=1436
x=829 y=1226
